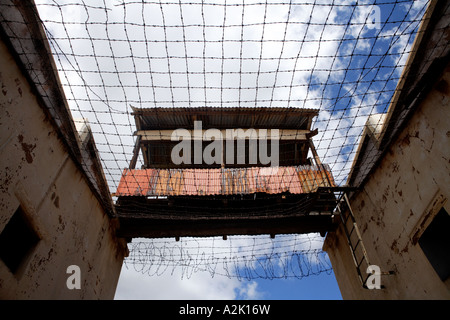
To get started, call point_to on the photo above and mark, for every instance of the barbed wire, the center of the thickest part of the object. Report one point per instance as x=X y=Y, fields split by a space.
x=244 y=258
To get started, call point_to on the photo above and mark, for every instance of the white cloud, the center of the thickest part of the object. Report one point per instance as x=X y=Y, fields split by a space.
x=201 y=286
x=250 y=291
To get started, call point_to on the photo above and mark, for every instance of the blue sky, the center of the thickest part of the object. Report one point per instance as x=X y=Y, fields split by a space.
x=317 y=287
x=304 y=54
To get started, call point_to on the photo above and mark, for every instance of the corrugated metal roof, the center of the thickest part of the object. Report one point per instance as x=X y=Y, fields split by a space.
x=224 y=117
x=225 y=181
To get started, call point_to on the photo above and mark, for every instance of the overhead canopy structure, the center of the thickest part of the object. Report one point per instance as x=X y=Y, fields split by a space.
x=164 y=199
x=223 y=117
x=156 y=125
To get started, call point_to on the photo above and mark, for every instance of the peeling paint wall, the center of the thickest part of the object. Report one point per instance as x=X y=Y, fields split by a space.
x=397 y=203
x=37 y=174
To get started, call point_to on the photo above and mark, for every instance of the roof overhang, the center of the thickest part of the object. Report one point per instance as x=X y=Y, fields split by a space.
x=160 y=118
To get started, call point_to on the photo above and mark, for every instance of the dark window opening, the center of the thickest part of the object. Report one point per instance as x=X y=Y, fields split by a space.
x=435 y=243
x=17 y=240
x=290 y=153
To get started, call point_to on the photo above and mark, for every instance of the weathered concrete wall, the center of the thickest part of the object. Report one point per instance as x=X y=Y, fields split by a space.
x=37 y=174
x=397 y=203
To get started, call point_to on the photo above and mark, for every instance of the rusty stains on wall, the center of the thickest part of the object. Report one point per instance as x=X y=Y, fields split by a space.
x=27 y=149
